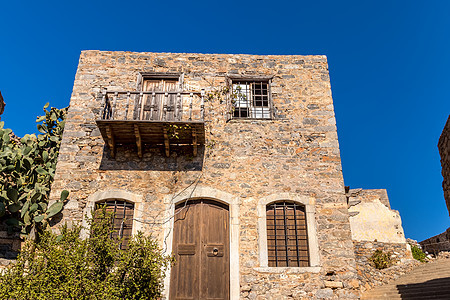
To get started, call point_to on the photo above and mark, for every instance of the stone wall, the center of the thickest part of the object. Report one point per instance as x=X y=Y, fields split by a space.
x=294 y=154
x=437 y=243
x=369 y=276
x=10 y=244
x=375 y=226
x=444 y=150
x=2 y=105
x=372 y=219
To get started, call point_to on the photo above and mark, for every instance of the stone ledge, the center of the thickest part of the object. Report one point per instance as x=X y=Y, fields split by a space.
x=288 y=270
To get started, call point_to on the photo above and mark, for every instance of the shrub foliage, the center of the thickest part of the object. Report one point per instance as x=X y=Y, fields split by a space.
x=67 y=267
x=418 y=254
x=381 y=260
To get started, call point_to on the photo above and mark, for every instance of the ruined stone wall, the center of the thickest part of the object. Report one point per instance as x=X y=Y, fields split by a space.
x=372 y=219
x=437 y=243
x=296 y=153
x=377 y=227
x=368 y=275
x=444 y=150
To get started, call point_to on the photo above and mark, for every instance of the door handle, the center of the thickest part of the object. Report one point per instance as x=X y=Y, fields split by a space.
x=214 y=250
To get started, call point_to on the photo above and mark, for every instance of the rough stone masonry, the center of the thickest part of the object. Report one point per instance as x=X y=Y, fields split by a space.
x=444 y=150
x=292 y=156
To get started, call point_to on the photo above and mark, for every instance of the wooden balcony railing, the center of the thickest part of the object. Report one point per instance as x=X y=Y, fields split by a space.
x=152 y=105
x=152 y=118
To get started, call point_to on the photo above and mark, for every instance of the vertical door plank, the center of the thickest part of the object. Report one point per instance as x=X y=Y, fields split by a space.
x=215 y=257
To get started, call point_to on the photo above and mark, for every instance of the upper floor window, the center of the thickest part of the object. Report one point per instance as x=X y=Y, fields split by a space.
x=121 y=220
x=287 y=235
x=161 y=99
x=251 y=99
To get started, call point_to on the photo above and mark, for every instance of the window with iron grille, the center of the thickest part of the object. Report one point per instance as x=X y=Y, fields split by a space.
x=287 y=235
x=251 y=99
x=122 y=219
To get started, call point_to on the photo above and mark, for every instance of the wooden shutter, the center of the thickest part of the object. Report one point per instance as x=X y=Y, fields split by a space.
x=153 y=106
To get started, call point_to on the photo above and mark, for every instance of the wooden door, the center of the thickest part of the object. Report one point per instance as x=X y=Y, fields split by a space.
x=153 y=105
x=201 y=250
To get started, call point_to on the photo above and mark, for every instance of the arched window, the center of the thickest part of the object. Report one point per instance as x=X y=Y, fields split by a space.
x=287 y=235
x=122 y=219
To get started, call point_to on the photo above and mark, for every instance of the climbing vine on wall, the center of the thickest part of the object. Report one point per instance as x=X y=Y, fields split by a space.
x=27 y=170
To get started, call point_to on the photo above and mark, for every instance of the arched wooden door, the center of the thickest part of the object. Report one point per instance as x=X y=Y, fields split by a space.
x=201 y=249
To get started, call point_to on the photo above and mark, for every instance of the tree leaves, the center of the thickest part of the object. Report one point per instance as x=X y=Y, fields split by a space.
x=14 y=207
x=27 y=168
x=12 y=194
x=64 y=195
x=39 y=218
x=54 y=209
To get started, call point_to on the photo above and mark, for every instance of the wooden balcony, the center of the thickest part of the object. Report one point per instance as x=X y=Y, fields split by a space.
x=152 y=118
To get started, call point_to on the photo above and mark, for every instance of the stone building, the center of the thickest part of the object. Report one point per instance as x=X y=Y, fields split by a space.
x=444 y=151
x=437 y=243
x=441 y=242
x=230 y=161
x=2 y=105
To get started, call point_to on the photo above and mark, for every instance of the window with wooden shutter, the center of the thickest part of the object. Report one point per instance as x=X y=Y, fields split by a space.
x=121 y=220
x=287 y=235
x=163 y=103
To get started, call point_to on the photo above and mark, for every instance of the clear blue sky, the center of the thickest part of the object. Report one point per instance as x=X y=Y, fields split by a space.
x=389 y=63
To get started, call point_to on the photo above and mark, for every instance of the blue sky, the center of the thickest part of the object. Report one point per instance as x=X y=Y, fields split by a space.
x=388 y=61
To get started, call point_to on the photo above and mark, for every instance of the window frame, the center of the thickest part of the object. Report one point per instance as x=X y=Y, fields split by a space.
x=117 y=203
x=291 y=231
x=102 y=196
x=235 y=79
x=313 y=246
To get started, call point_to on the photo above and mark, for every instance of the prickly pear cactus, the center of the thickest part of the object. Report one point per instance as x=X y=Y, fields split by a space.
x=27 y=169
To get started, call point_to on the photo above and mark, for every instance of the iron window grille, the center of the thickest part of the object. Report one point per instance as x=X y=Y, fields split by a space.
x=251 y=99
x=121 y=220
x=287 y=235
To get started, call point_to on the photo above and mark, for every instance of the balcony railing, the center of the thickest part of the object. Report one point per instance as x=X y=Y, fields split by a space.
x=152 y=105
x=152 y=118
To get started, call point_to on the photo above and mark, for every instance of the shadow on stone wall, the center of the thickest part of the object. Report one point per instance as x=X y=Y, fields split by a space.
x=10 y=244
x=435 y=289
x=153 y=159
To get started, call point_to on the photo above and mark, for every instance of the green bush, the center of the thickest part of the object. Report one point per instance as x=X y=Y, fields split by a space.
x=381 y=260
x=67 y=267
x=417 y=253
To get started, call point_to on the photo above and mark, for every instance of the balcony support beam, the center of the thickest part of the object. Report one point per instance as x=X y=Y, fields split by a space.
x=194 y=142
x=137 y=133
x=166 y=141
x=111 y=141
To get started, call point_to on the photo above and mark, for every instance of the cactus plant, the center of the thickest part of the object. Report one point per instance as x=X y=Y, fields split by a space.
x=27 y=169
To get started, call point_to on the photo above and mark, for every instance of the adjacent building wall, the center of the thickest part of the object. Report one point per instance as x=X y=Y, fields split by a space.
x=444 y=151
x=374 y=227
x=437 y=243
x=372 y=219
x=295 y=155
x=441 y=242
